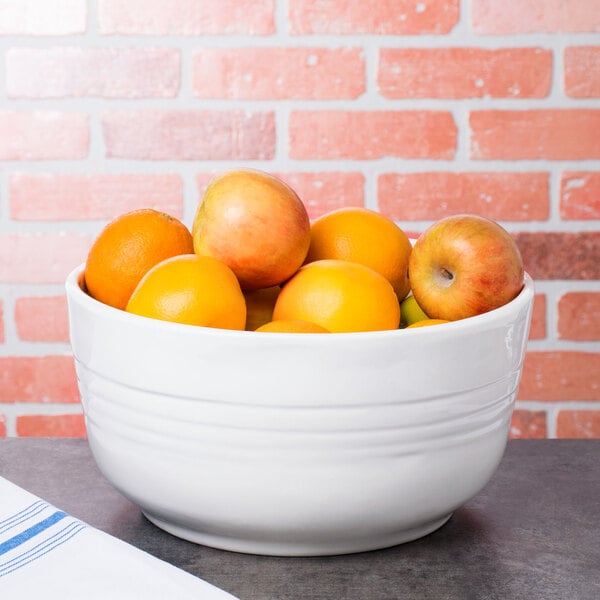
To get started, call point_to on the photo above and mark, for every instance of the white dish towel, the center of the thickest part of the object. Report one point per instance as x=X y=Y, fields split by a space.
x=46 y=553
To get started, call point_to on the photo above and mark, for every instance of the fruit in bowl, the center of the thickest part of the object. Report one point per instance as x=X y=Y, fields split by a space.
x=190 y=289
x=256 y=226
x=340 y=296
x=127 y=248
x=411 y=312
x=328 y=428
x=364 y=236
x=464 y=265
x=254 y=223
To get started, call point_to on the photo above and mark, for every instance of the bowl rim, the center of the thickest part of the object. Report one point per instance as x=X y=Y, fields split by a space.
x=76 y=294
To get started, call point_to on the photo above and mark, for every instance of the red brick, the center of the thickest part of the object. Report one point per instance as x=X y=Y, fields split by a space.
x=279 y=73
x=186 y=17
x=59 y=196
x=578 y=424
x=580 y=195
x=41 y=257
x=560 y=376
x=538 y=318
x=61 y=72
x=464 y=72
x=43 y=135
x=579 y=316
x=44 y=379
x=189 y=134
x=2 y=426
x=526 y=16
x=433 y=195
x=384 y=17
x=528 y=424
x=327 y=191
x=556 y=255
x=42 y=17
x=582 y=71
x=555 y=134
x=55 y=426
x=328 y=134
x=42 y=319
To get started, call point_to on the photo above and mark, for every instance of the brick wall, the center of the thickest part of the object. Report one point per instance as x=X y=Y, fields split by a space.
x=419 y=108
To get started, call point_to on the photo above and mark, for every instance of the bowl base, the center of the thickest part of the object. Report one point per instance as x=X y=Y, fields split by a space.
x=289 y=548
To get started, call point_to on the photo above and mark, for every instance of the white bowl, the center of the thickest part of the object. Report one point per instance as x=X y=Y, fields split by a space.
x=297 y=444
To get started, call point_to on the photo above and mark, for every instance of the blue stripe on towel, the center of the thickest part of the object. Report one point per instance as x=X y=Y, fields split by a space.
x=32 y=531
x=41 y=549
x=23 y=515
x=21 y=512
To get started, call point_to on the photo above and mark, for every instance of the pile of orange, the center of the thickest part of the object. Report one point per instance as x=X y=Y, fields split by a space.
x=346 y=271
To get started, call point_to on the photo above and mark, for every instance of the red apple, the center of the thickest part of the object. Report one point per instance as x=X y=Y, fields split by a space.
x=255 y=224
x=464 y=265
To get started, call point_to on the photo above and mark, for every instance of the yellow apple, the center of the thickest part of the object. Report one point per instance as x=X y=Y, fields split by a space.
x=411 y=312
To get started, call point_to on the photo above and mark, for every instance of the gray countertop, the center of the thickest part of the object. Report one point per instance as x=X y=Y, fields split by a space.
x=532 y=533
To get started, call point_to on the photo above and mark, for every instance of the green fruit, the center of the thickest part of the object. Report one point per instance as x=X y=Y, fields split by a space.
x=410 y=312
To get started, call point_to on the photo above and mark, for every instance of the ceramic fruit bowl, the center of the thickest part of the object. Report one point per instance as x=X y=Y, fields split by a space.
x=297 y=444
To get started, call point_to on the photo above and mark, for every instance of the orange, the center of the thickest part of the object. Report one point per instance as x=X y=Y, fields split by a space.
x=259 y=306
x=340 y=296
x=127 y=248
x=292 y=326
x=364 y=236
x=190 y=289
x=426 y=323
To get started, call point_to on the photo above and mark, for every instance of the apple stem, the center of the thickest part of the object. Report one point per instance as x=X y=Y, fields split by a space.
x=446 y=274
